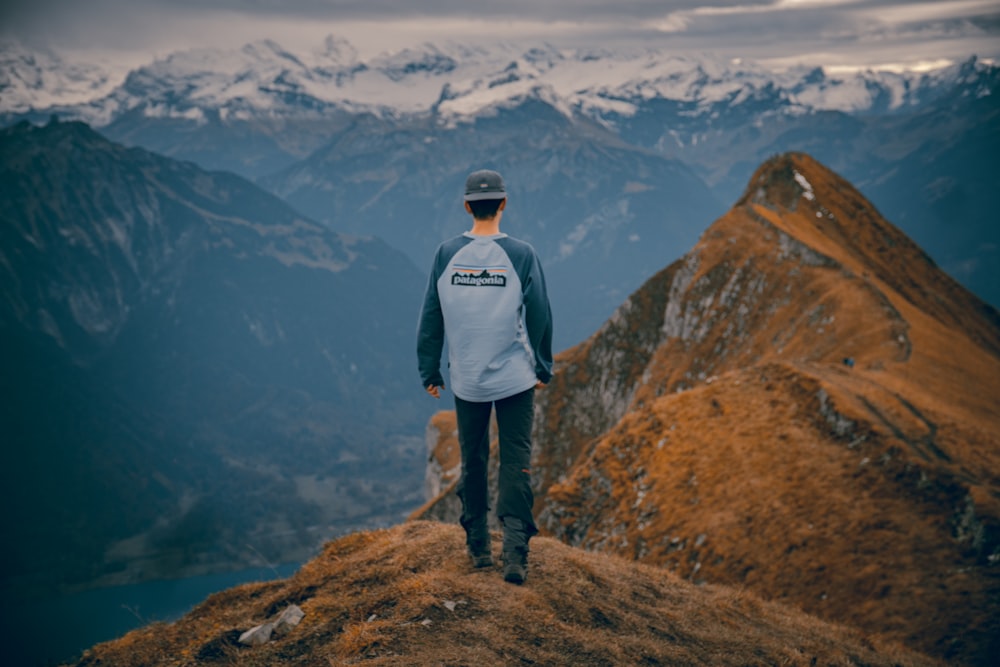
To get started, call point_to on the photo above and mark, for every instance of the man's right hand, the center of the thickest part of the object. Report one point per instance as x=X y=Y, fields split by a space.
x=434 y=390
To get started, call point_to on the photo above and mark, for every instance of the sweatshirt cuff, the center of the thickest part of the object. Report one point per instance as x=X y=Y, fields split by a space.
x=435 y=381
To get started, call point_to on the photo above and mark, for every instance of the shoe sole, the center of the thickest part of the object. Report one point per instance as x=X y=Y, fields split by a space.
x=513 y=578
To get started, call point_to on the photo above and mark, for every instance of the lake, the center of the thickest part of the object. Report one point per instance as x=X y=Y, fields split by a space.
x=53 y=631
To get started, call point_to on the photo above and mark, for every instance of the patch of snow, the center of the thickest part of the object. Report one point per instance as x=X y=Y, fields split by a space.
x=164 y=111
x=807 y=188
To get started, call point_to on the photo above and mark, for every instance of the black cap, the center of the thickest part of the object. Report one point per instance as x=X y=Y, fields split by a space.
x=484 y=184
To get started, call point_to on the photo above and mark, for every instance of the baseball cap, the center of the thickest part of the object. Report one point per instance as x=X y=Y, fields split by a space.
x=484 y=184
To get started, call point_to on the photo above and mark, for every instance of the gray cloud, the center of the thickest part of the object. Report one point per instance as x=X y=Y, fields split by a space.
x=553 y=10
x=845 y=31
x=395 y=9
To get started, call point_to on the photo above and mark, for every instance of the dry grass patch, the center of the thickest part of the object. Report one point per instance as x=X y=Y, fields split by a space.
x=408 y=596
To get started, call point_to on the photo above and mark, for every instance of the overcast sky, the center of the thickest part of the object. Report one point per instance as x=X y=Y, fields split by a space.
x=833 y=33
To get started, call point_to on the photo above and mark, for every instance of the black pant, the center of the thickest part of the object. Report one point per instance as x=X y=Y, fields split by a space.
x=514 y=497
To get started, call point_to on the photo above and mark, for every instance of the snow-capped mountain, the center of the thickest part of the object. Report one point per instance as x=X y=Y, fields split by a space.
x=455 y=81
x=37 y=80
x=919 y=145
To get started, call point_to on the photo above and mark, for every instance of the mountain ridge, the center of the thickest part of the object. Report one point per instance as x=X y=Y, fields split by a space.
x=407 y=596
x=803 y=405
x=865 y=242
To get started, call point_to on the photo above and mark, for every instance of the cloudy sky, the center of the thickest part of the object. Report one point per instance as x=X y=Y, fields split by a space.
x=833 y=33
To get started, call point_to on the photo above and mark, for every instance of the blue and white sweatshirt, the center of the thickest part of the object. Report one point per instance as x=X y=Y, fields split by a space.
x=488 y=294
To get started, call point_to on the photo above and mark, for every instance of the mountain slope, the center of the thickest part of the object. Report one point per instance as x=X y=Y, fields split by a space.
x=174 y=338
x=407 y=596
x=584 y=199
x=804 y=405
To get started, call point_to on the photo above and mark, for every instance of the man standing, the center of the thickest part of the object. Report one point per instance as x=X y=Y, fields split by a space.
x=487 y=293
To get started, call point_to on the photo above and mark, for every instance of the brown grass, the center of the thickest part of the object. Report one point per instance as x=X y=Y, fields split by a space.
x=386 y=598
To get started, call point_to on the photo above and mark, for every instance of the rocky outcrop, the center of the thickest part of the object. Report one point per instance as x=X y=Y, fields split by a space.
x=285 y=623
x=444 y=456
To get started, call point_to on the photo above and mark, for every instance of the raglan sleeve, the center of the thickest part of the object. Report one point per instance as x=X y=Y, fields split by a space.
x=430 y=331
x=538 y=319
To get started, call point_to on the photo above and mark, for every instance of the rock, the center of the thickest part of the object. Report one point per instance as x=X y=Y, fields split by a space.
x=288 y=620
x=258 y=635
x=261 y=634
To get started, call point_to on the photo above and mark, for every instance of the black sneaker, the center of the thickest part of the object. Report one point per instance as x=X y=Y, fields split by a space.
x=479 y=552
x=515 y=566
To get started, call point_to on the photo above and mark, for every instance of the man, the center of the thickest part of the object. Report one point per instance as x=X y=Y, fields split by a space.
x=487 y=293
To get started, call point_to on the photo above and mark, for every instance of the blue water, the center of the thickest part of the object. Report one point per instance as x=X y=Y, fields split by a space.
x=53 y=631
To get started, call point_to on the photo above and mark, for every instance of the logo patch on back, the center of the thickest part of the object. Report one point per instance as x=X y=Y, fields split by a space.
x=478 y=276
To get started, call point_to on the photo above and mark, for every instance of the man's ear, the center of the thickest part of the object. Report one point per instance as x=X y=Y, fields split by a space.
x=468 y=209
x=503 y=204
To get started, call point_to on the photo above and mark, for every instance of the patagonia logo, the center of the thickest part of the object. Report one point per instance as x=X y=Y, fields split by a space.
x=479 y=276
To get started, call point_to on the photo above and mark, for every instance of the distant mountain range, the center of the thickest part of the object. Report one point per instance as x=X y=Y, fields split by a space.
x=610 y=154
x=457 y=81
x=804 y=405
x=194 y=374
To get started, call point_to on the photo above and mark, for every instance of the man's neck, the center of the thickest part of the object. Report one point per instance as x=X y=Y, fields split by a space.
x=489 y=227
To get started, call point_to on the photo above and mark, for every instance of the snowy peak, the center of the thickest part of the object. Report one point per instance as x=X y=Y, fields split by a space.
x=337 y=50
x=42 y=79
x=453 y=80
x=427 y=63
x=267 y=50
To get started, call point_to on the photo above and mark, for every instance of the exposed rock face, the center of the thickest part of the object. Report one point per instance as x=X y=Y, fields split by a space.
x=712 y=427
x=444 y=456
